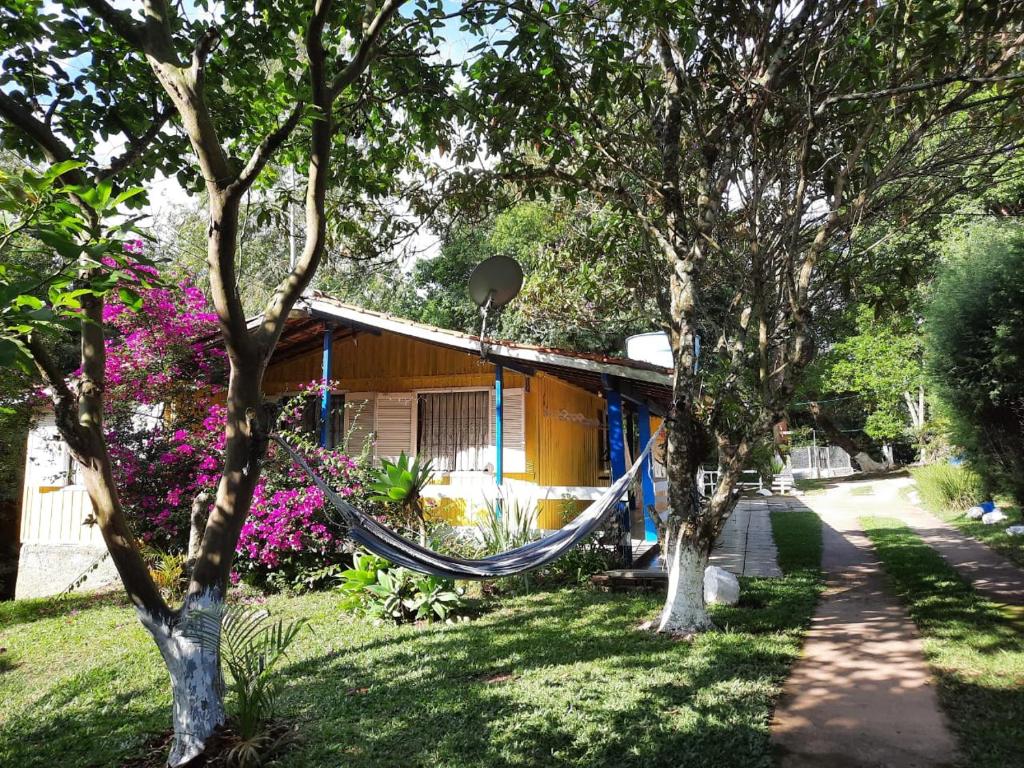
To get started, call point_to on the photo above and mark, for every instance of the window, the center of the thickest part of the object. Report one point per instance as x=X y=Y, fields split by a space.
x=513 y=434
x=382 y=424
x=311 y=418
x=359 y=423
x=454 y=430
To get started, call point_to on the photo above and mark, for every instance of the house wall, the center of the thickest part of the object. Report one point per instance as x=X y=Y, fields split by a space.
x=57 y=543
x=561 y=421
x=561 y=431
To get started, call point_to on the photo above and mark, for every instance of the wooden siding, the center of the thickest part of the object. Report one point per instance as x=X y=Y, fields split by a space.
x=53 y=512
x=560 y=427
x=387 y=363
x=565 y=442
x=57 y=516
x=560 y=421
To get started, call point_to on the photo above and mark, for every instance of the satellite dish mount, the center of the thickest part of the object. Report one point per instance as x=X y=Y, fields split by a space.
x=493 y=284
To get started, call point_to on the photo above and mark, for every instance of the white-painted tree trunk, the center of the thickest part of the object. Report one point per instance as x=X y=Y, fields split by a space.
x=196 y=686
x=684 y=609
x=867 y=464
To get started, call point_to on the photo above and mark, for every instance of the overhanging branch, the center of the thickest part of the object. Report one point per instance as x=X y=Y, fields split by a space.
x=266 y=149
x=364 y=52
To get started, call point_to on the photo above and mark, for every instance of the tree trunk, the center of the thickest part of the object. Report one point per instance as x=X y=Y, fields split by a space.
x=844 y=441
x=688 y=533
x=684 y=609
x=867 y=464
x=197 y=525
x=197 y=690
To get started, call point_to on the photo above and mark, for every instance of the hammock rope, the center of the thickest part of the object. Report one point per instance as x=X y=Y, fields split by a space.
x=369 y=533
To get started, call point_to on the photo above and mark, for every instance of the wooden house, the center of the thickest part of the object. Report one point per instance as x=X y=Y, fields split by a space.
x=547 y=428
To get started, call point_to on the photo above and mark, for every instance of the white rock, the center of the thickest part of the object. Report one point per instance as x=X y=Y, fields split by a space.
x=763 y=492
x=1015 y=530
x=975 y=513
x=720 y=586
x=993 y=517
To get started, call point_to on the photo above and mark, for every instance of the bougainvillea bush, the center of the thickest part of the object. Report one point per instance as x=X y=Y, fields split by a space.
x=291 y=538
x=165 y=426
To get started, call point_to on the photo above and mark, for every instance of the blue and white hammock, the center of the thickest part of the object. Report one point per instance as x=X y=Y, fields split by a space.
x=366 y=531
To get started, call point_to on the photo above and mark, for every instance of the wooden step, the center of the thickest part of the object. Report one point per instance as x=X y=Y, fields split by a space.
x=629 y=579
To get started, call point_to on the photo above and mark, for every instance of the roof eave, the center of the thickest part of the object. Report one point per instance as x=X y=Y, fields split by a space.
x=470 y=344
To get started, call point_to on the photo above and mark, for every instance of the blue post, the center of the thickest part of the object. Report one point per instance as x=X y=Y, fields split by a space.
x=499 y=438
x=325 y=394
x=617 y=458
x=646 y=480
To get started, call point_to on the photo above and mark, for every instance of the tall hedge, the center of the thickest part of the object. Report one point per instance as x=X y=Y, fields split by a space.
x=975 y=350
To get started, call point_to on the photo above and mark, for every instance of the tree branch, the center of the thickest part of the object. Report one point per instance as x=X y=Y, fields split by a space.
x=137 y=146
x=292 y=286
x=266 y=149
x=205 y=45
x=914 y=88
x=51 y=374
x=367 y=45
x=21 y=117
x=121 y=22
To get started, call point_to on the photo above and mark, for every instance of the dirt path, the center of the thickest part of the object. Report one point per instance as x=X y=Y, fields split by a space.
x=861 y=695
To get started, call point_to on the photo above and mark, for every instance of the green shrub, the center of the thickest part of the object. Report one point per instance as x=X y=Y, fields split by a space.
x=597 y=554
x=502 y=525
x=975 y=351
x=945 y=486
x=505 y=524
x=400 y=484
x=375 y=588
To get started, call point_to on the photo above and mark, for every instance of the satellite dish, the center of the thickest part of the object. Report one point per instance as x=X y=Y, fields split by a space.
x=495 y=282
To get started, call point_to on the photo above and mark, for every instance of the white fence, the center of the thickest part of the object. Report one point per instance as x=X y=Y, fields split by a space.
x=750 y=480
x=820 y=461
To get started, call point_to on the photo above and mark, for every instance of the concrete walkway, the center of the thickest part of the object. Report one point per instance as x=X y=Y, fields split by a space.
x=746 y=546
x=861 y=696
x=991 y=574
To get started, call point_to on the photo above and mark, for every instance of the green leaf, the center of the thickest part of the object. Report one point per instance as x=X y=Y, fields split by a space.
x=62 y=244
x=25 y=300
x=130 y=298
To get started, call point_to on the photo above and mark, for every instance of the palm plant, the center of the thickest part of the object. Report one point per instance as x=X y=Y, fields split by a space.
x=401 y=483
x=249 y=645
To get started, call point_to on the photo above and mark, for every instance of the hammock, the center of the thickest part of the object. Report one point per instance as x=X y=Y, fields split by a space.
x=366 y=531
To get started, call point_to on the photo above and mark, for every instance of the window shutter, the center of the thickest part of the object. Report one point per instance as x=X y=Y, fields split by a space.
x=359 y=420
x=513 y=409
x=395 y=425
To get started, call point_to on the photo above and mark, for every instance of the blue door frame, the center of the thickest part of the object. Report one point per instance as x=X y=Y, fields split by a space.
x=325 y=392
x=617 y=460
x=646 y=478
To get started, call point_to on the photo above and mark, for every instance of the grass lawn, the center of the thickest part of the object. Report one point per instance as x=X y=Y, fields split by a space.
x=551 y=679
x=975 y=649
